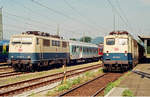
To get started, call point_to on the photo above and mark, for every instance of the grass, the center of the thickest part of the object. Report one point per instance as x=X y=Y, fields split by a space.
x=72 y=82
x=40 y=74
x=115 y=83
x=126 y=93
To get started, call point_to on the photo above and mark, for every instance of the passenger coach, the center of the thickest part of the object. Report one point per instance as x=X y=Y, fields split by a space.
x=83 y=51
x=120 y=51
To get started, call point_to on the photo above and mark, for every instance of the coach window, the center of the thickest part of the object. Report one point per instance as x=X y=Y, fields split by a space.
x=46 y=42
x=110 y=41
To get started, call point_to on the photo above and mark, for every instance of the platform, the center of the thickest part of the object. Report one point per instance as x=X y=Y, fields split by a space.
x=136 y=82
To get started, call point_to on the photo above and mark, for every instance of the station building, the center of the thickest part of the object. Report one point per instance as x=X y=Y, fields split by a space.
x=146 y=42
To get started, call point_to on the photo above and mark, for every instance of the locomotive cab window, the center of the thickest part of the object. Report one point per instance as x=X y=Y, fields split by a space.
x=110 y=41
x=122 y=41
x=26 y=40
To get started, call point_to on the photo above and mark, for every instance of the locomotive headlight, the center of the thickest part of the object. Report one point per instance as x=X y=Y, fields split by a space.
x=29 y=57
x=107 y=54
x=125 y=54
x=12 y=56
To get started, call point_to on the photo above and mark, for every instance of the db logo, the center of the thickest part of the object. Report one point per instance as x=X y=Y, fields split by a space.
x=116 y=49
x=20 y=50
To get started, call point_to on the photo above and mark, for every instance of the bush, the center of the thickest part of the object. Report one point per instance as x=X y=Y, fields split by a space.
x=108 y=88
x=63 y=87
x=127 y=92
x=76 y=81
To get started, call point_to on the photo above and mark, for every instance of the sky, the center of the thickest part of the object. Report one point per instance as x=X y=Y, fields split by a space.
x=76 y=18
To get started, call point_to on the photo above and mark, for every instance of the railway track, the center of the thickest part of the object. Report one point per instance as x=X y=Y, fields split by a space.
x=3 y=68
x=8 y=74
x=19 y=87
x=94 y=87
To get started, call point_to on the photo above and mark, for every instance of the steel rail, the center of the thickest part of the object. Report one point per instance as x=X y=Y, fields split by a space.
x=32 y=86
x=81 y=85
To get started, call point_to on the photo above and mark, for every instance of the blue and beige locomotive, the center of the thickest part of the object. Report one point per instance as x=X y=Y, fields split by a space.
x=35 y=49
x=121 y=51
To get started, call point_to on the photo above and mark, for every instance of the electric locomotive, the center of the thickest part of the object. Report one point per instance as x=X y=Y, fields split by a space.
x=121 y=51
x=35 y=49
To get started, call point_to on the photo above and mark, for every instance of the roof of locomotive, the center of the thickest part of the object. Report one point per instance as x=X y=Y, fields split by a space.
x=41 y=35
x=144 y=37
x=81 y=43
x=119 y=33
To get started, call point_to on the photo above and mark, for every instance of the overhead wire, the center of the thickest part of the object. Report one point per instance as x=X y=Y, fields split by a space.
x=122 y=11
x=83 y=16
x=116 y=11
x=24 y=18
x=32 y=11
x=62 y=14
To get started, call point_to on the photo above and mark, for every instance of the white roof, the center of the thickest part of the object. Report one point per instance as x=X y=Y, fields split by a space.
x=78 y=43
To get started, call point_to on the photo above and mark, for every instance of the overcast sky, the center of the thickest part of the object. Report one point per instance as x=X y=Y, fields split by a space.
x=76 y=17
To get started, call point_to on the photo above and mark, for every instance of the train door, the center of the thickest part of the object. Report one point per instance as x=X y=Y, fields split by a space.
x=80 y=50
x=40 y=48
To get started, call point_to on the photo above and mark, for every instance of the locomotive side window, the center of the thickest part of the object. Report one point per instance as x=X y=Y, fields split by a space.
x=55 y=43
x=110 y=41
x=64 y=44
x=122 y=41
x=46 y=42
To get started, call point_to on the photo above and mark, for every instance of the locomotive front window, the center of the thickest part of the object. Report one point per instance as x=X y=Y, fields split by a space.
x=22 y=40
x=15 y=42
x=110 y=41
x=122 y=41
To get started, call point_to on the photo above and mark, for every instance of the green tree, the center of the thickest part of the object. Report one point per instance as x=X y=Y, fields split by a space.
x=86 y=39
x=73 y=39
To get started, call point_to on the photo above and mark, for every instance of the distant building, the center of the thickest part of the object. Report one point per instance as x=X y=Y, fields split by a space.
x=1 y=25
x=146 y=41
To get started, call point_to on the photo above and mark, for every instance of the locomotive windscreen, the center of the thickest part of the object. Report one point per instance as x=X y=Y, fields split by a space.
x=110 y=41
x=22 y=40
x=122 y=41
